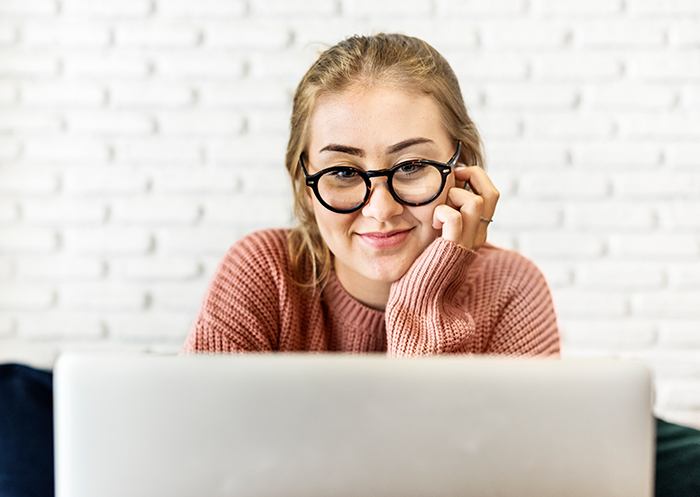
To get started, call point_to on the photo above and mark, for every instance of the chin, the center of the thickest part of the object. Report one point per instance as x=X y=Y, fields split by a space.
x=387 y=271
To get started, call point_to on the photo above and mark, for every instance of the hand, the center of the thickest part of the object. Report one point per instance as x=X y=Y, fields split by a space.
x=463 y=218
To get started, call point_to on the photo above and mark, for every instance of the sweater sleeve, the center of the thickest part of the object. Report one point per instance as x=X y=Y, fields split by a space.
x=423 y=315
x=527 y=323
x=240 y=311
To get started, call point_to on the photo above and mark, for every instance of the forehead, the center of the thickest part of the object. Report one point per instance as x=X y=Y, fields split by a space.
x=374 y=118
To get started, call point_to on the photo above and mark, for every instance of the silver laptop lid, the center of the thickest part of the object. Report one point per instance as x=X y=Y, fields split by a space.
x=320 y=425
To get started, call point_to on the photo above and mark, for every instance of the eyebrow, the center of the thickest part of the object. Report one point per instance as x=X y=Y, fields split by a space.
x=345 y=149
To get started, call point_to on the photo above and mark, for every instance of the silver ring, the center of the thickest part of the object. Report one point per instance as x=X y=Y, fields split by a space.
x=484 y=220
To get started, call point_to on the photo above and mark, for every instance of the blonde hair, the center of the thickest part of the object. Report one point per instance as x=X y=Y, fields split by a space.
x=394 y=59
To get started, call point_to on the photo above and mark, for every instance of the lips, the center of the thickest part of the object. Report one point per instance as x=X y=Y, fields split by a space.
x=386 y=239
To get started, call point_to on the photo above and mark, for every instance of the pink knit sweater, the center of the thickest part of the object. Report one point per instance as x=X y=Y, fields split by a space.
x=451 y=300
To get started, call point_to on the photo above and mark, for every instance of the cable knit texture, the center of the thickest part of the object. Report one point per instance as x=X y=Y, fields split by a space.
x=451 y=300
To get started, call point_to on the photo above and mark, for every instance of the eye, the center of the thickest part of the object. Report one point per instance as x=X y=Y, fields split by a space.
x=409 y=168
x=343 y=174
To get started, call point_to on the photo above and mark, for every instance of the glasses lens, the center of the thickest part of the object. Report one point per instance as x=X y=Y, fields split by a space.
x=342 y=189
x=415 y=182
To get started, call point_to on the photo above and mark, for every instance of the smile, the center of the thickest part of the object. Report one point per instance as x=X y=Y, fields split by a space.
x=386 y=240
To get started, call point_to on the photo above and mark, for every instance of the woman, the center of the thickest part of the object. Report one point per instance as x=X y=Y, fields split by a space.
x=390 y=253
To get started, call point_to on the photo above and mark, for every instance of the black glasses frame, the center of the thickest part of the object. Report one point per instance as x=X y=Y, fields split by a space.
x=445 y=169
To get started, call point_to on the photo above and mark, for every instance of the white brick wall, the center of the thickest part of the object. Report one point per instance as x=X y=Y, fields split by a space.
x=140 y=138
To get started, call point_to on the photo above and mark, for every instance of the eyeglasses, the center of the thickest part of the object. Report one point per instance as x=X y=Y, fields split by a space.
x=346 y=189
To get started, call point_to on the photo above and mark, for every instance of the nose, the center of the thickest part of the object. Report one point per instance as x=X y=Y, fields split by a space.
x=381 y=205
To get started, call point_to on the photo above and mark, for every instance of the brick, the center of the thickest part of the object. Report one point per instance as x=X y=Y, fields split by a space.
x=178 y=296
x=558 y=275
x=201 y=180
x=8 y=92
x=684 y=34
x=251 y=34
x=642 y=125
x=315 y=35
x=62 y=93
x=691 y=96
x=660 y=184
x=292 y=8
x=618 y=275
x=162 y=211
x=116 y=64
x=153 y=94
x=684 y=276
x=557 y=125
x=581 y=68
x=452 y=8
x=497 y=125
x=157 y=34
x=681 y=214
x=158 y=151
x=659 y=67
x=202 y=240
x=8 y=34
x=200 y=123
x=667 y=7
x=683 y=396
x=502 y=239
x=619 y=33
x=608 y=334
x=27 y=240
x=109 y=123
x=23 y=297
x=611 y=216
x=675 y=364
x=62 y=211
x=100 y=296
x=66 y=151
x=6 y=269
x=683 y=155
x=191 y=64
x=74 y=34
x=556 y=245
x=60 y=325
x=524 y=96
x=265 y=180
x=107 y=241
x=187 y=9
x=572 y=8
x=563 y=185
x=504 y=181
x=256 y=209
x=523 y=34
x=529 y=154
x=258 y=150
x=677 y=304
x=495 y=66
x=514 y=213
x=616 y=154
x=656 y=246
x=628 y=96
x=170 y=327
x=123 y=8
x=9 y=151
x=29 y=122
x=22 y=8
x=286 y=66
x=682 y=334
x=159 y=268
x=28 y=64
x=104 y=181
x=247 y=94
x=267 y=122
x=576 y=303
x=20 y=182
x=8 y=211
x=59 y=267
x=7 y=326
x=395 y=8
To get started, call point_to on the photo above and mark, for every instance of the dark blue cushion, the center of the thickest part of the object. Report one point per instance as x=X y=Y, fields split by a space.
x=26 y=432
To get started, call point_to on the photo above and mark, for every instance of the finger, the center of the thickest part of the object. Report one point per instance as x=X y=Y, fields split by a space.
x=484 y=187
x=470 y=207
x=450 y=221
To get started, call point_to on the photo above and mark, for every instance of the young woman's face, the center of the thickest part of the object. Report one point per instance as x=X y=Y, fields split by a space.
x=359 y=127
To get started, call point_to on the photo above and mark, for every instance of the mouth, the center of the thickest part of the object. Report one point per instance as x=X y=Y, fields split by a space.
x=384 y=240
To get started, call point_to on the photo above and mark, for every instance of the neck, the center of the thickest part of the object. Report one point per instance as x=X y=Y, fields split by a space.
x=372 y=293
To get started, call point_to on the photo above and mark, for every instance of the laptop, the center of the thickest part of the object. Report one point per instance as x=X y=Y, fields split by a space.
x=255 y=425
